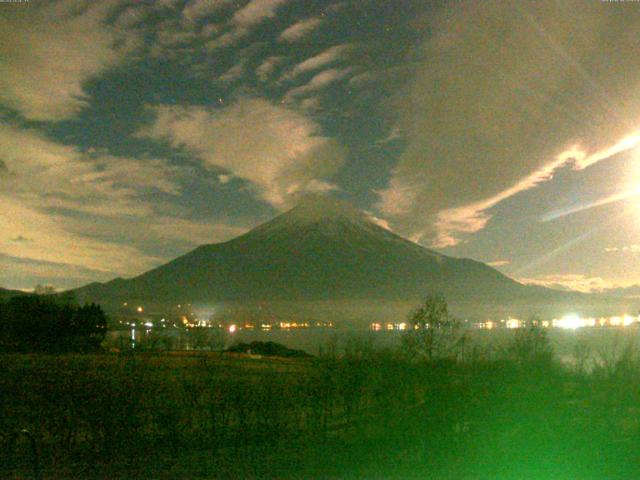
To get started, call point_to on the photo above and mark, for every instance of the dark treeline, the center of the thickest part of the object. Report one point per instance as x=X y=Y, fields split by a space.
x=435 y=407
x=34 y=323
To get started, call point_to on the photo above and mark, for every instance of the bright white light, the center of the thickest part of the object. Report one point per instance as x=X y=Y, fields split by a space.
x=232 y=328
x=513 y=323
x=623 y=321
x=148 y=324
x=571 y=322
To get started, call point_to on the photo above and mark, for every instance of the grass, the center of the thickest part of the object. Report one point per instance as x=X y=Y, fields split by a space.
x=365 y=414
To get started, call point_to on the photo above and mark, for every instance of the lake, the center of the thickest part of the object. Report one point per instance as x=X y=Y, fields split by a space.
x=595 y=344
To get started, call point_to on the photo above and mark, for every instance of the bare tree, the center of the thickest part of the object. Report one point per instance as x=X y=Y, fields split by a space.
x=531 y=346
x=432 y=331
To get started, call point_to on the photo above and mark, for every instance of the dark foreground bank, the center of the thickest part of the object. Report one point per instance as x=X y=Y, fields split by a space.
x=362 y=413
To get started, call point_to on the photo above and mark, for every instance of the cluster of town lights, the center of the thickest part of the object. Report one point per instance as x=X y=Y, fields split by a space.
x=187 y=318
x=567 y=322
x=376 y=327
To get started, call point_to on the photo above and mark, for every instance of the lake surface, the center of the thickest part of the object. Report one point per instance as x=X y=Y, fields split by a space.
x=597 y=344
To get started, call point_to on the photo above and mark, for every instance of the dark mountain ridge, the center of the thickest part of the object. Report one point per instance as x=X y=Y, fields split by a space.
x=325 y=251
x=320 y=250
x=6 y=294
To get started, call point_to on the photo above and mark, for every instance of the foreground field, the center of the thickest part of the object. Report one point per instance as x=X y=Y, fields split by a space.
x=364 y=413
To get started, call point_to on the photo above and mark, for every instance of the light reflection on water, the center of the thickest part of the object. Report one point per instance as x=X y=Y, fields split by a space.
x=597 y=344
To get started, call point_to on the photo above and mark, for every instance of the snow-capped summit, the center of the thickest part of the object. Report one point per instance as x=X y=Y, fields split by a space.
x=317 y=207
x=320 y=213
x=322 y=249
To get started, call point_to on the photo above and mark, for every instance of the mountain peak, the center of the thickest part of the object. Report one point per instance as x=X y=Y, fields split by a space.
x=319 y=251
x=313 y=208
x=319 y=212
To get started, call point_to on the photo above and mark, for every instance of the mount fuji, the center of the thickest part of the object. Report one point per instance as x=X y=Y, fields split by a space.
x=323 y=250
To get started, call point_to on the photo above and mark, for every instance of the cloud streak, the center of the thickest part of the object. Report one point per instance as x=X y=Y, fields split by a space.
x=318 y=82
x=255 y=12
x=268 y=67
x=196 y=10
x=323 y=59
x=48 y=174
x=298 y=31
x=67 y=207
x=572 y=282
x=481 y=126
x=251 y=15
x=55 y=243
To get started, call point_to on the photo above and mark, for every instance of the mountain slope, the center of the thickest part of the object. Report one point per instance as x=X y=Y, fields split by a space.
x=320 y=250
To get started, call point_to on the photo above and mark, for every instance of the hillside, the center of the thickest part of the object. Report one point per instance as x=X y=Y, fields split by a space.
x=6 y=294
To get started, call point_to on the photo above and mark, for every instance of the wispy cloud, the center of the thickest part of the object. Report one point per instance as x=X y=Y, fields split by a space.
x=57 y=195
x=256 y=11
x=234 y=73
x=292 y=157
x=323 y=59
x=54 y=242
x=266 y=69
x=493 y=129
x=616 y=197
x=24 y=273
x=572 y=282
x=473 y=217
x=192 y=232
x=196 y=10
x=498 y=263
x=634 y=248
x=299 y=30
x=91 y=214
x=48 y=174
x=49 y=50
x=173 y=35
x=252 y=14
x=381 y=222
x=318 y=82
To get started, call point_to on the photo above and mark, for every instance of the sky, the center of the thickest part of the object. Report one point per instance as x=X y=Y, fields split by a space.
x=133 y=131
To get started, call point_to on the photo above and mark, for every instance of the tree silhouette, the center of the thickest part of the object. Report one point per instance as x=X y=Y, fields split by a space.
x=432 y=331
x=531 y=347
x=33 y=323
x=89 y=324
